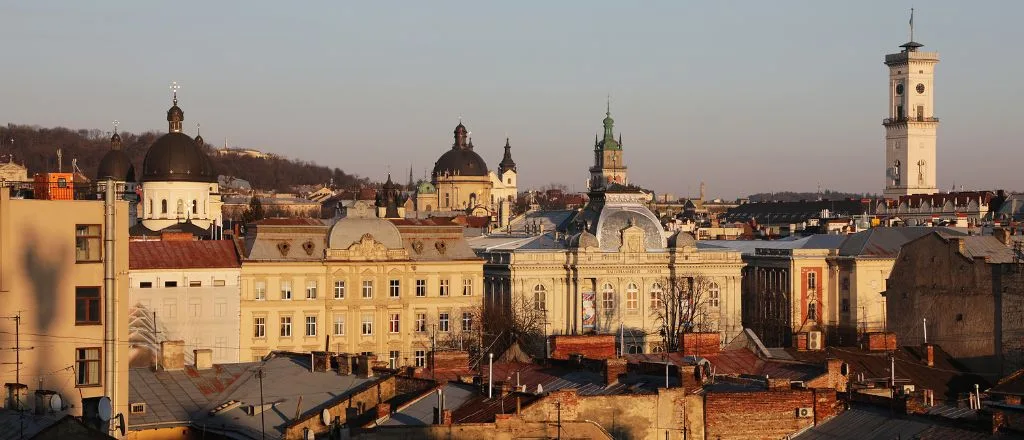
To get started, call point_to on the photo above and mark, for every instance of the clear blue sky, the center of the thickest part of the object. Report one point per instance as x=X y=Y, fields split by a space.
x=747 y=96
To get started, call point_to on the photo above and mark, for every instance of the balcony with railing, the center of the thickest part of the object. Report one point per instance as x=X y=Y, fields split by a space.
x=63 y=189
x=905 y=119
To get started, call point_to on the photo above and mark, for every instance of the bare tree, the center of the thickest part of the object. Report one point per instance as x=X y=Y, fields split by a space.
x=684 y=307
x=521 y=319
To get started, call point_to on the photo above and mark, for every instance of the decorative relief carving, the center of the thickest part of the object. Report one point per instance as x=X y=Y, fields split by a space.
x=417 y=246
x=441 y=247
x=284 y=247
x=308 y=246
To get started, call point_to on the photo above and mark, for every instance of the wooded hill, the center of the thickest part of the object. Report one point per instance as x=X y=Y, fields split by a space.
x=36 y=148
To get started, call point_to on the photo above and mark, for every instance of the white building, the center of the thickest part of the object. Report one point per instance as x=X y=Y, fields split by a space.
x=179 y=185
x=184 y=290
x=911 y=125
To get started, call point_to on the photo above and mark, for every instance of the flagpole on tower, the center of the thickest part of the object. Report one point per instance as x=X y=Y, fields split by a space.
x=911 y=24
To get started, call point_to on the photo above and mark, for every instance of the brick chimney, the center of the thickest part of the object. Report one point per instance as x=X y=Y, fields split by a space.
x=172 y=355
x=929 y=354
x=613 y=368
x=203 y=358
x=344 y=364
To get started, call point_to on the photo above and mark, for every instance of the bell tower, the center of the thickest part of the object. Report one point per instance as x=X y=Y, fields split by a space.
x=910 y=128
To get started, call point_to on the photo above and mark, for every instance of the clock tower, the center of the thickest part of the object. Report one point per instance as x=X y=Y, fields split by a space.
x=911 y=125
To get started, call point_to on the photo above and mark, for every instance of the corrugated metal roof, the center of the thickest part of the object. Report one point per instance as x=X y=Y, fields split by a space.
x=869 y=423
x=182 y=254
x=886 y=241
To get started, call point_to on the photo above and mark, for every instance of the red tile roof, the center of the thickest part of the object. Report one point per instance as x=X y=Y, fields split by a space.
x=202 y=254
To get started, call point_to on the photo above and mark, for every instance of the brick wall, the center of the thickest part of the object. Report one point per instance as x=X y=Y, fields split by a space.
x=698 y=344
x=613 y=368
x=590 y=346
x=833 y=377
x=763 y=414
x=881 y=341
x=449 y=360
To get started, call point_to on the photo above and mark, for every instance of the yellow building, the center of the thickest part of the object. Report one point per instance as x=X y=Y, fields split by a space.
x=362 y=285
x=63 y=301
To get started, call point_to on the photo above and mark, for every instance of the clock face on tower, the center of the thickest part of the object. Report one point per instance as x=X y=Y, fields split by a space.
x=920 y=88
x=899 y=89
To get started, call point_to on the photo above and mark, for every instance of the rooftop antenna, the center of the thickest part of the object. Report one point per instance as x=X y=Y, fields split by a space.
x=60 y=156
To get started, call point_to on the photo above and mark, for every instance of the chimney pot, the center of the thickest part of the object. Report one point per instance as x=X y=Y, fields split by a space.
x=172 y=355
x=203 y=358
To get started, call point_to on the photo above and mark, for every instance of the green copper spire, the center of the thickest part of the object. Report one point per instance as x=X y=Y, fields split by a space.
x=609 y=142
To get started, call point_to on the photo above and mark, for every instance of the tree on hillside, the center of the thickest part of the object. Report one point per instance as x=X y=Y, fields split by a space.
x=254 y=212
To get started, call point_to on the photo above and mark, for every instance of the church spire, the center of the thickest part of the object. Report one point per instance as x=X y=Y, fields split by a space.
x=506 y=162
x=115 y=140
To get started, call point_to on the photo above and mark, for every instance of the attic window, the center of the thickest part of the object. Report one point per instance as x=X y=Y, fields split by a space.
x=137 y=408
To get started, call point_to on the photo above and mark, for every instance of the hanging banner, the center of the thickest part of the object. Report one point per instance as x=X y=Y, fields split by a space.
x=589 y=310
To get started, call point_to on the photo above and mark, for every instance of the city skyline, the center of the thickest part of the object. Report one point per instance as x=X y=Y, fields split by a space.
x=328 y=87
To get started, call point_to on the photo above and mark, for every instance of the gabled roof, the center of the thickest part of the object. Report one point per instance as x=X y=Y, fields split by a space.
x=983 y=246
x=886 y=242
x=182 y=254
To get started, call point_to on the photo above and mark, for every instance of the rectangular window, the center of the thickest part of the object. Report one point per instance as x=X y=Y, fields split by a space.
x=467 y=287
x=87 y=367
x=310 y=289
x=286 y=289
x=421 y=287
x=195 y=307
x=146 y=285
x=286 y=326
x=442 y=322
x=393 y=323
x=195 y=284
x=846 y=305
x=220 y=308
x=367 y=288
x=170 y=284
x=393 y=356
x=339 y=325
x=170 y=308
x=339 y=289
x=87 y=243
x=367 y=325
x=394 y=288
x=87 y=305
x=443 y=289
x=219 y=283
x=261 y=290
x=311 y=326
x=421 y=322
x=421 y=358
x=467 y=321
x=259 y=327
x=220 y=343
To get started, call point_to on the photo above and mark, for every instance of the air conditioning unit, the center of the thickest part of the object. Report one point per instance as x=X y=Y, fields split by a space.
x=805 y=412
x=814 y=340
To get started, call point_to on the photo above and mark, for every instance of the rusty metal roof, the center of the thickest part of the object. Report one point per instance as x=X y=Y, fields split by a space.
x=182 y=254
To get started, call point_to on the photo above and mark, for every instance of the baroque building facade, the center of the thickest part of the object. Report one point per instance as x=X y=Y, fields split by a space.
x=391 y=287
x=606 y=267
x=461 y=182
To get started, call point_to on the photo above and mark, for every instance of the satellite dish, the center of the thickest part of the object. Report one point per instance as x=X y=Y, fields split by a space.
x=325 y=417
x=103 y=409
x=309 y=435
x=55 y=402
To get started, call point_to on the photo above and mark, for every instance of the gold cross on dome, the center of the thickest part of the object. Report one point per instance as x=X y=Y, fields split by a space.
x=115 y=125
x=174 y=90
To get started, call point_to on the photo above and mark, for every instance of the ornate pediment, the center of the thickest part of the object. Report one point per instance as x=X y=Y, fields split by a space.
x=367 y=248
x=633 y=238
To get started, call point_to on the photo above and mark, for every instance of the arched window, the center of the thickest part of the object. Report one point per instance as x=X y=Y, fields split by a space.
x=472 y=200
x=163 y=206
x=632 y=297
x=195 y=207
x=447 y=200
x=812 y=311
x=713 y=294
x=150 y=207
x=608 y=298
x=180 y=208
x=540 y=296
x=655 y=296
